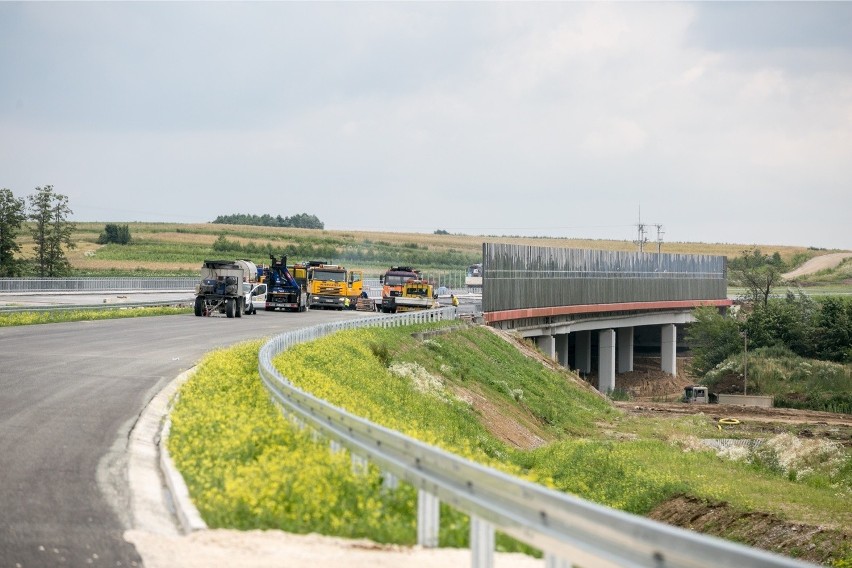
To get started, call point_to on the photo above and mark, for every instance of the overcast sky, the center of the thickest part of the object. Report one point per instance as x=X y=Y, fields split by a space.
x=724 y=122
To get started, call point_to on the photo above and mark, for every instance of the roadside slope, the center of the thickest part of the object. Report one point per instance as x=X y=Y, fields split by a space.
x=818 y=263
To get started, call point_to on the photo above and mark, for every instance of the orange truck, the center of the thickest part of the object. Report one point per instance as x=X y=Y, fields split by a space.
x=392 y=282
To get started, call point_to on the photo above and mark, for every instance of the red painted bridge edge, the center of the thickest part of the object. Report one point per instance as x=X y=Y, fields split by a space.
x=492 y=317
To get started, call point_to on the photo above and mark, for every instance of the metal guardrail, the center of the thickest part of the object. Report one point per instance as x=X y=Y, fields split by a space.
x=96 y=284
x=110 y=306
x=569 y=530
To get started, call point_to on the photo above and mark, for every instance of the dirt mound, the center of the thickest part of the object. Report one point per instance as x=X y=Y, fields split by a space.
x=761 y=530
x=648 y=382
x=816 y=264
x=509 y=423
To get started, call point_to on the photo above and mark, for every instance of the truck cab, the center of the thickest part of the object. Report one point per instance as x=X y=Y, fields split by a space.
x=392 y=283
x=696 y=394
x=331 y=285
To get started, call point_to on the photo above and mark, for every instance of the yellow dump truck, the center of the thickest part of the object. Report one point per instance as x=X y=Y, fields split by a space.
x=330 y=285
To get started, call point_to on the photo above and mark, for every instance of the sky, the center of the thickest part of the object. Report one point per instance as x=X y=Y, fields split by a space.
x=724 y=122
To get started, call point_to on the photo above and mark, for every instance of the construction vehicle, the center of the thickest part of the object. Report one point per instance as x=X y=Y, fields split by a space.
x=696 y=394
x=223 y=289
x=416 y=295
x=283 y=289
x=392 y=282
x=473 y=278
x=333 y=286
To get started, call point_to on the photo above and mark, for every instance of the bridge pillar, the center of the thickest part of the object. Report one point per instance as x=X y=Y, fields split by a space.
x=668 y=348
x=547 y=343
x=562 y=349
x=625 y=349
x=583 y=352
x=606 y=360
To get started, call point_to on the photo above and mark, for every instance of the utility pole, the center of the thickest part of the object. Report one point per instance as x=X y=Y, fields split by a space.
x=745 y=362
x=642 y=231
x=641 y=239
x=660 y=233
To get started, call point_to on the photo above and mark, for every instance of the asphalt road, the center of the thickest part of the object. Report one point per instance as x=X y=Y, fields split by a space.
x=69 y=396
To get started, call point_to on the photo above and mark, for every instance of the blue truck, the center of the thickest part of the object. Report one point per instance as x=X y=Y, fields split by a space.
x=282 y=289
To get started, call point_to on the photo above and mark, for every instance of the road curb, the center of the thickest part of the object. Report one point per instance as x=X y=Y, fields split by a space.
x=159 y=497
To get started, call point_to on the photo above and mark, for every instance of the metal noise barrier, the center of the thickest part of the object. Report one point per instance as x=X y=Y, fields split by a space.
x=569 y=530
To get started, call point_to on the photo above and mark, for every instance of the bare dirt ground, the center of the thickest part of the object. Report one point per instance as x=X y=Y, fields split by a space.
x=761 y=530
x=816 y=264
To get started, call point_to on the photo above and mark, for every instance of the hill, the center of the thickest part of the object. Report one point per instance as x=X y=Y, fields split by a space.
x=169 y=248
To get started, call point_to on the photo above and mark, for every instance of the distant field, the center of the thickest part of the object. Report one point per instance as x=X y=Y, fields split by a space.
x=172 y=248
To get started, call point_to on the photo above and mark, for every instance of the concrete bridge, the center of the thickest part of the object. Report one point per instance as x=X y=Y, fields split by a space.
x=592 y=310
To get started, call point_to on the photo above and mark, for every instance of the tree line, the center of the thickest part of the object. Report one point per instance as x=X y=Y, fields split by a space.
x=300 y=220
x=48 y=213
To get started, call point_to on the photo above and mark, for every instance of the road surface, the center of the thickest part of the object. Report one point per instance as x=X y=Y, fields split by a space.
x=69 y=395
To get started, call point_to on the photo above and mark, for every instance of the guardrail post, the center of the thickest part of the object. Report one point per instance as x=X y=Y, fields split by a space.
x=360 y=464
x=481 y=543
x=389 y=481
x=552 y=561
x=428 y=519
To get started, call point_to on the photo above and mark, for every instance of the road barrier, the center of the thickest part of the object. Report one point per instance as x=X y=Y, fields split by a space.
x=570 y=531
x=96 y=284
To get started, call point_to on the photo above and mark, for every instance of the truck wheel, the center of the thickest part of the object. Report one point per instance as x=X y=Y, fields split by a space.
x=229 y=307
x=240 y=308
x=199 y=306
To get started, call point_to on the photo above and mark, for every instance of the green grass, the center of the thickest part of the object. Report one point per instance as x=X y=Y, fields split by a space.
x=59 y=316
x=795 y=382
x=248 y=468
x=174 y=248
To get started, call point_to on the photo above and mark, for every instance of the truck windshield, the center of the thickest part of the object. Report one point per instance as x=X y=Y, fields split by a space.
x=333 y=275
x=398 y=279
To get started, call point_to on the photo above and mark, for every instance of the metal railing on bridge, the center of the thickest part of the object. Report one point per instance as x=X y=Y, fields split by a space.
x=570 y=531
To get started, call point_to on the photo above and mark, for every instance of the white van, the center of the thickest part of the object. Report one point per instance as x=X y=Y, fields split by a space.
x=255 y=297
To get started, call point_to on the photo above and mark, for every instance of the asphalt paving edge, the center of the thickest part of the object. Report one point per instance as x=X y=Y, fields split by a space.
x=159 y=499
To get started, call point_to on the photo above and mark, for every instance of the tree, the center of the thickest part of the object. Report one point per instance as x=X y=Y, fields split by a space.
x=788 y=322
x=118 y=234
x=51 y=231
x=12 y=215
x=758 y=273
x=300 y=220
x=833 y=340
x=712 y=338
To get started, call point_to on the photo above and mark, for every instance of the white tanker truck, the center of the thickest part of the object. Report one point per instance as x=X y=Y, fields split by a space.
x=222 y=288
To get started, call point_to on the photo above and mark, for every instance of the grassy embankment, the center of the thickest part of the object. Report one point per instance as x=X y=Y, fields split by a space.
x=59 y=316
x=471 y=392
x=794 y=381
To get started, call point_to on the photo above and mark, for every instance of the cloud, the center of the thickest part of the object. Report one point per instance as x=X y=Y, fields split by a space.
x=503 y=116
